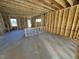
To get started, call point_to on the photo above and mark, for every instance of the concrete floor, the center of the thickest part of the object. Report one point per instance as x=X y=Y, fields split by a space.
x=43 y=46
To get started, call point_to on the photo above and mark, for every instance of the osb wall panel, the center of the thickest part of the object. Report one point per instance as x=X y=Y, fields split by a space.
x=63 y=22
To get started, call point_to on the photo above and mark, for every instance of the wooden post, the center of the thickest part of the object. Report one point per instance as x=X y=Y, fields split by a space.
x=74 y=22
x=43 y=21
x=77 y=37
x=52 y=21
x=56 y=21
x=70 y=21
x=2 y=26
x=59 y=21
x=25 y=22
x=76 y=29
x=46 y=23
x=64 y=21
x=49 y=21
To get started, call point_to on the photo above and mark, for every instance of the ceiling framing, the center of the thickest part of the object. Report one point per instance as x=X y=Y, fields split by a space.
x=31 y=8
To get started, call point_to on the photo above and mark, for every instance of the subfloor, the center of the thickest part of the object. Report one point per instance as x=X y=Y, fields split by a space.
x=43 y=46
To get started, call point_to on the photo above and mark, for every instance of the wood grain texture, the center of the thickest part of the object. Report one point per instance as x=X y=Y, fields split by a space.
x=52 y=21
x=60 y=21
x=74 y=22
x=76 y=30
x=56 y=21
x=64 y=21
x=70 y=20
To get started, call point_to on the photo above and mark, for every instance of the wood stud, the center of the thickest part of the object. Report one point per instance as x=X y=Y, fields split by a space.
x=70 y=20
x=59 y=21
x=64 y=22
x=56 y=20
x=52 y=21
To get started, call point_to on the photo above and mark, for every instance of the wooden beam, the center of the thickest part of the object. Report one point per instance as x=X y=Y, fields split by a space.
x=22 y=8
x=48 y=4
x=19 y=7
x=53 y=20
x=64 y=21
x=61 y=12
x=12 y=10
x=56 y=21
x=74 y=22
x=60 y=3
x=70 y=21
x=71 y=2
x=23 y=4
x=40 y=4
x=57 y=4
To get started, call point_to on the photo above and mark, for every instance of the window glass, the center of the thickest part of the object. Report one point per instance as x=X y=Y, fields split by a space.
x=13 y=22
x=29 y=23
x=38 y=20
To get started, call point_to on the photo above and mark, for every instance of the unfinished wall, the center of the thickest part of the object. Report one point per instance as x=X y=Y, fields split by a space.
x=2 y=27
x=21 y=21
x=6 y=22
x=37 y=24
x=64 y=22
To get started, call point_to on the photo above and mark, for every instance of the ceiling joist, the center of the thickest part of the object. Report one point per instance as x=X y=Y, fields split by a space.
x=33 y=7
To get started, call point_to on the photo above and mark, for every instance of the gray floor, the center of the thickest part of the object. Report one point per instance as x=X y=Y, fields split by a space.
x=42 y=46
